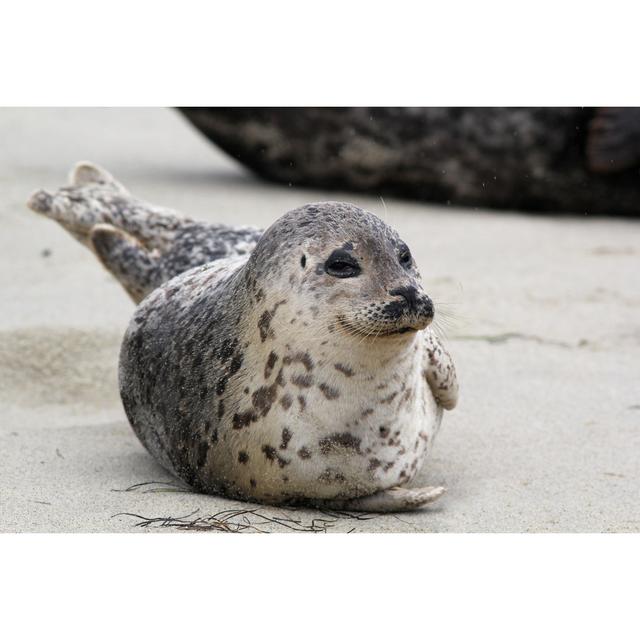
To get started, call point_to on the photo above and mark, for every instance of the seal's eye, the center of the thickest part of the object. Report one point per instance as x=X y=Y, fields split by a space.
x=405 y=256
x=342 y=264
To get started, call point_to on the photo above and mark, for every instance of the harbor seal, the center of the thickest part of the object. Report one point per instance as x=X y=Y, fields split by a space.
x=291 y=366
x=531 y=158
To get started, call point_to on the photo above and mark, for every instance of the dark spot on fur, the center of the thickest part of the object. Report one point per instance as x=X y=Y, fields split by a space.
x=226 y=349
x=384 y=432
x=272 y=455
x=244 y=419
x=329 y=476
x=286 y=401
x=304 y=381
x=330 y=393
x=253 y=483
x=264 y=325
x=286 y=437
x=302 y=402
x=406 y=396
x=271 y=362
x=263 y=398
x=366 y=412
x=243 y=457
x=220 y=408
x=304 y=453
x=374 y=463
x=337 y=441
x=269 y=452
x=388 y=399
x=221 y=386
x=343 y=368
x=301 y=357
x=303 y=261
x=236 y=363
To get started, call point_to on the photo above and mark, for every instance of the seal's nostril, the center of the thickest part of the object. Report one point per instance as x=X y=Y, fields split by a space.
x=418 y=302
x=410 y=294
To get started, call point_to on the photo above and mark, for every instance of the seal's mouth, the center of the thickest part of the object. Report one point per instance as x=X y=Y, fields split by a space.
x=402 y=330
x=398 y=331
x=373 y=332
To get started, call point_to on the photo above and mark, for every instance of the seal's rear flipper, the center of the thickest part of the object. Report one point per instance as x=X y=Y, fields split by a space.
x=95 y=197
x=132 y=265
x=70 y=205
x=613 y=142
x=390 y=500
x=128 y=235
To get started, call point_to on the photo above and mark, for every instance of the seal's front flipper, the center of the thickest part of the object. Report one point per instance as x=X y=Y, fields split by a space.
x=390 y=500
x=121 y=254
x=439 y=371
x=613 y=142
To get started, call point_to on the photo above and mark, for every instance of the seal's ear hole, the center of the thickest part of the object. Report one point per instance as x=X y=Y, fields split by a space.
x=303 y=261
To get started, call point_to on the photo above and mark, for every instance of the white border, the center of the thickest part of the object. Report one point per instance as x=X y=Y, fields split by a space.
x=494 y=52
x=286 y=586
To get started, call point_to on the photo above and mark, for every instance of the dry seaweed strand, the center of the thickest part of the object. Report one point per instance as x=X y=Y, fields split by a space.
x=170 y=487
x=243 y=520
x=236 y=520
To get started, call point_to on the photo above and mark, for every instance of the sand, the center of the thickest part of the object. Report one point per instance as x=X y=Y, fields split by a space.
x=545 y=332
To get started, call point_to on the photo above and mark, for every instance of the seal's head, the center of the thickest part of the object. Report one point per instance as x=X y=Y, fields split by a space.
x=349 y=267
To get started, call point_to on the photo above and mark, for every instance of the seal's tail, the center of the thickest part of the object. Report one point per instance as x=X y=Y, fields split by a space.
x=127 y=234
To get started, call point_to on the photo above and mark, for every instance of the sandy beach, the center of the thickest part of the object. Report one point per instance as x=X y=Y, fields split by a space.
x=541 y=313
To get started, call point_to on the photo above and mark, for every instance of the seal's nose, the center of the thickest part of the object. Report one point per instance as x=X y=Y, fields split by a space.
x=410 y=294
x=416 y=301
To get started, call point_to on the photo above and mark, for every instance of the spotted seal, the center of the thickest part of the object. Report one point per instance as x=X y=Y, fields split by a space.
x=532 y=158
x=294 y=365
